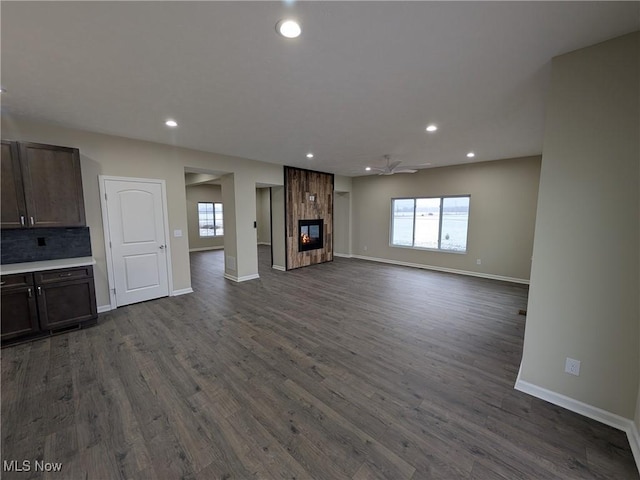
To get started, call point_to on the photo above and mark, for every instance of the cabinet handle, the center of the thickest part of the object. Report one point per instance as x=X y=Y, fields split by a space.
x=22 y=220
x=39 y=290
x=32 y=222
x=65 y=274
x=29 y=292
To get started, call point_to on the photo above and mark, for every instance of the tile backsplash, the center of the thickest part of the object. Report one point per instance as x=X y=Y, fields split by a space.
x=37 y=244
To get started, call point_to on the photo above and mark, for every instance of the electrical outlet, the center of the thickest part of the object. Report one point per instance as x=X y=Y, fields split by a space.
x=479 y=261
x=572 y=366
x=365 y=248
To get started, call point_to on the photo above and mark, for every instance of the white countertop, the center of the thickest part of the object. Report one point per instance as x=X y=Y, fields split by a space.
x=10 y=268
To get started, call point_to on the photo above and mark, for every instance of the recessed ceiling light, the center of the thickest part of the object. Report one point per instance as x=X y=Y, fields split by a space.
x=288 y=28
x=171 y=123
x=471 y=154
x=368 y=169
x=309 y=155
x=432 y=128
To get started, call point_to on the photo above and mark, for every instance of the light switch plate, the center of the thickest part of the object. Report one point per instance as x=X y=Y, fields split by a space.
x=177 y=233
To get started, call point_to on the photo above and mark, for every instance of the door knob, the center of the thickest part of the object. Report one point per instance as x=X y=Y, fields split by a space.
x=162 y=247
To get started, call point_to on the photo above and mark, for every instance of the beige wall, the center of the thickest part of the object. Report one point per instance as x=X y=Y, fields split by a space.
x=637 y=415
x=108 y=155
x=263 y=215
x=501 y=220
x=342 y=215
x=195 y=194
x=342 y=184
x=583 y=300
x=341 y=223
x=227 y=182
x=246 y=232
x=278 y=248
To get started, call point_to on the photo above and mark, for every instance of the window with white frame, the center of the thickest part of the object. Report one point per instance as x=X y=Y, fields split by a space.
x=210 y=219
x=438 y=223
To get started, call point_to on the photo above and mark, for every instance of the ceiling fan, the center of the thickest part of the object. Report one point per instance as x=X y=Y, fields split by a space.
x=394 y=167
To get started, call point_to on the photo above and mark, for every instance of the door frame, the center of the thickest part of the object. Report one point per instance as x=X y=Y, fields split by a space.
x=102 y=179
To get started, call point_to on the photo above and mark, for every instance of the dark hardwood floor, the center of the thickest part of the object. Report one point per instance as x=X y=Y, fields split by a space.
x=345 y=370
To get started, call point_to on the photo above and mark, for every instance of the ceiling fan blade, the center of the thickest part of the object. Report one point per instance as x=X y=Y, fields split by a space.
x=416 y=167
x=404 y=170
x=393 y=165
x=378 y=169
x=386 y=173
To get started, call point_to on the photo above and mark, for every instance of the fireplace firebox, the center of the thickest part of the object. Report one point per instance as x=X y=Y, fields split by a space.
x=310 y=235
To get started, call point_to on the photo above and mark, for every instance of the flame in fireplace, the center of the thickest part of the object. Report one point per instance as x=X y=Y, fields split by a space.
x=305 y=238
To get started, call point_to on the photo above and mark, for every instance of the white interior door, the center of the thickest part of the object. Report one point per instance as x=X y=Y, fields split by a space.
x=137 y=236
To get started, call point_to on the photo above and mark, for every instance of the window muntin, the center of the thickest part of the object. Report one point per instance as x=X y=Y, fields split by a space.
x=437 y=223
x=210 y=219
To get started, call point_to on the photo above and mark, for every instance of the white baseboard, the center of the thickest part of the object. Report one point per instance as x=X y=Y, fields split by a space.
x=204 y=249
x=279 y=268
x=616 y=421
x=344 y=255
x=233 y=278
x=175 y=293
x=444 y=269
x=265 y=243
x=182 y=291
x=634 y=442
x=602 y=416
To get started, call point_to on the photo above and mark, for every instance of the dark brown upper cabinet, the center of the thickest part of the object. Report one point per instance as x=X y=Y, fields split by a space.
x=12 y=191
x=41 y=186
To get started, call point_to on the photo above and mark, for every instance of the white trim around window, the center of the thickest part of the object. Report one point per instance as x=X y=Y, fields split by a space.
x=430 y=223
x=210 y=218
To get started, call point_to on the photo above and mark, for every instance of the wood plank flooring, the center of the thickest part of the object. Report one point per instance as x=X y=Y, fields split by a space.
x=344 y=370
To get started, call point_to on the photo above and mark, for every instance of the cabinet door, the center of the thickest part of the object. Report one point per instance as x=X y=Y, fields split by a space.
x=66 y=303
x=52 y=185
x=12 y=201
x=19 y=311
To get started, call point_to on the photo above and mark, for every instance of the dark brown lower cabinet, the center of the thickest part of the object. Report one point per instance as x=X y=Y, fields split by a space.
x=19 y=311
x=42 y=302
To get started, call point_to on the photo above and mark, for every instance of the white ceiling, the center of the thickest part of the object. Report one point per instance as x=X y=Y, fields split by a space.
x=363 y=80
